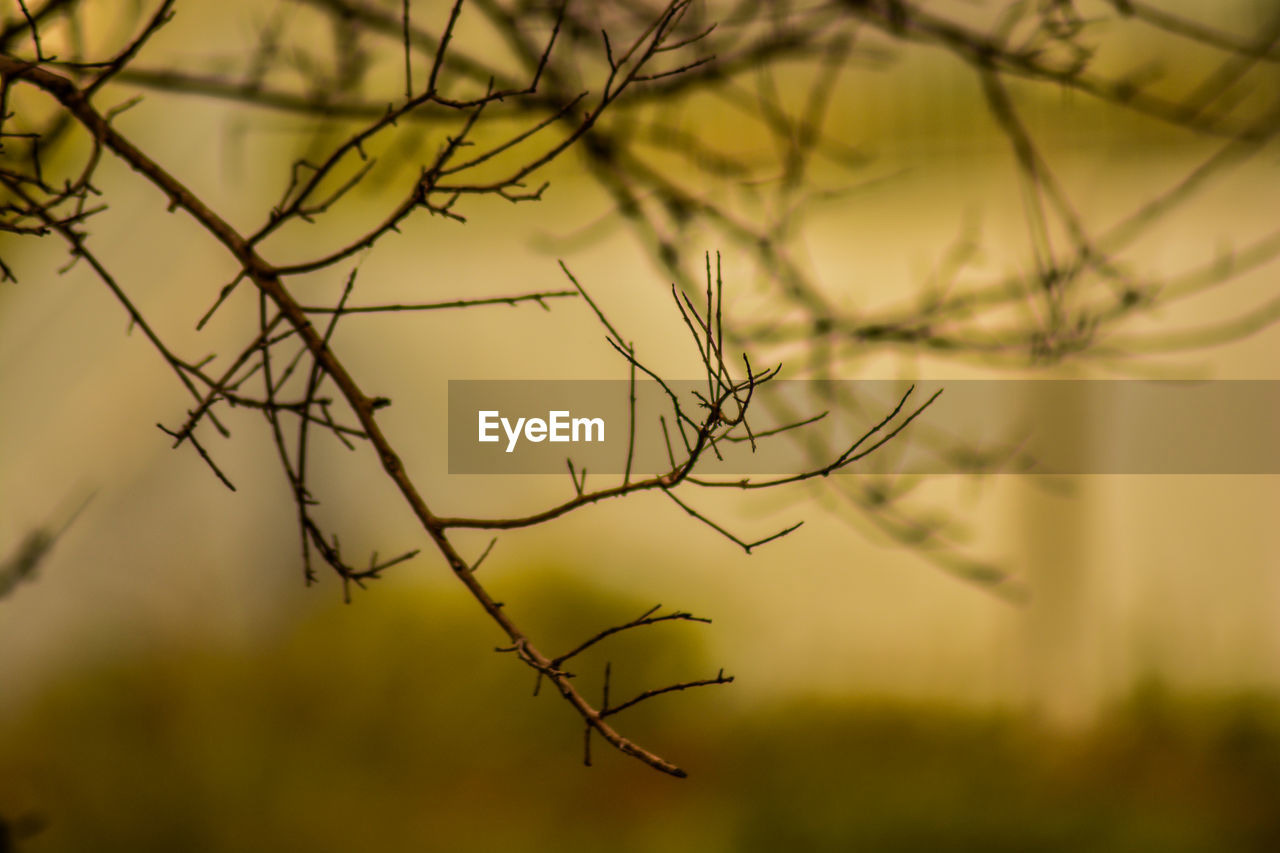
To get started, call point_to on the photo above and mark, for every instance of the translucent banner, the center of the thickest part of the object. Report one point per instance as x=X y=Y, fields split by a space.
x=798 y=426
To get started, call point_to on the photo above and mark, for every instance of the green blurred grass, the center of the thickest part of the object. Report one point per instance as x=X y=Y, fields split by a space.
x=387 y=726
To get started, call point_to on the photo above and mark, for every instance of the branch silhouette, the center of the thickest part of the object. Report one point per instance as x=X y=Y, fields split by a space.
x=608 y=83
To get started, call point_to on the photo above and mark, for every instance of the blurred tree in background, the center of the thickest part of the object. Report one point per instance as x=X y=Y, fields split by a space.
x=421 y=750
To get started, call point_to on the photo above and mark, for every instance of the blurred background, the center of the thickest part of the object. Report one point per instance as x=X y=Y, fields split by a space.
x=168 y=680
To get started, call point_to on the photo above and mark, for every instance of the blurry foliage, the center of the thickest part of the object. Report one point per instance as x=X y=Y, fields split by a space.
x=376 y=728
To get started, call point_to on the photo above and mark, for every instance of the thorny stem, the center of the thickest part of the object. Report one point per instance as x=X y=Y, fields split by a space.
x=268 y=279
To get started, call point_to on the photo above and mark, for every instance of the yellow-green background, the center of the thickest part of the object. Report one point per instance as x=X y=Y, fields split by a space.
x=169 y=683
